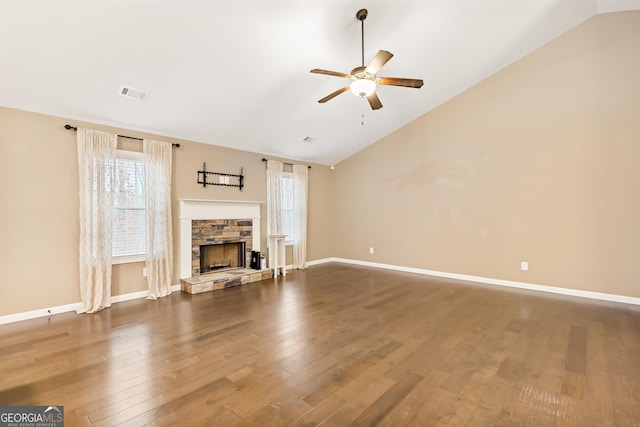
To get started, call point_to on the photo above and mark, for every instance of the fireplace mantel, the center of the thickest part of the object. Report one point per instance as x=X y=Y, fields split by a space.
x=193 y=209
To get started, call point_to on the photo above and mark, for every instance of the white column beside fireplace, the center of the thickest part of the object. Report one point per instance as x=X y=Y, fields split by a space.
x=195 y=209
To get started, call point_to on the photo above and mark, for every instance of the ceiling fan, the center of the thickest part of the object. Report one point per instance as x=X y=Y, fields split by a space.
x=364 y=79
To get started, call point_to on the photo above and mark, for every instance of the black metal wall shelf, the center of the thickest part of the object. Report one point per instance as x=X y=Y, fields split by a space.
x=220 y=178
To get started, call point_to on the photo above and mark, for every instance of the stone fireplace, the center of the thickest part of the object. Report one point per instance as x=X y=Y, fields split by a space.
x=220 y=244
x=212 y=222
x=215 y=235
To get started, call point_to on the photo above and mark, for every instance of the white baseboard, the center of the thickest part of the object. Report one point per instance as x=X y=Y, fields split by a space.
x=320 y=261
x=499 y=282
x=43 y=312
x=33 y=314
x=10 y=318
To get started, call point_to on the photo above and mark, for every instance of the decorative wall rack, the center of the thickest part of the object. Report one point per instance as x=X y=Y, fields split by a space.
x=218 y=178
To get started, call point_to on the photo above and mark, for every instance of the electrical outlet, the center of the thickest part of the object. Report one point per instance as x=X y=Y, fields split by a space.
x=371 y=251
x=524 y=265
x=144 y=271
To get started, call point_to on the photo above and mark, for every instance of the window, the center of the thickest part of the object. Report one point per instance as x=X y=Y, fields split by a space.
x=129 y=216
x=288 y=211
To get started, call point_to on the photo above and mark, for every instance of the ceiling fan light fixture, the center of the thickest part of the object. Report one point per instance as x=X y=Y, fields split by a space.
x=362 y=87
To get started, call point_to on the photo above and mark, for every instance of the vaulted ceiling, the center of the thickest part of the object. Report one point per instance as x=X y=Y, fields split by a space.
x=236 y=73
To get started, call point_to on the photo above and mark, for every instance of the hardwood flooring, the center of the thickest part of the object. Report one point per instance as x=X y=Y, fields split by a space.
x=335 y=345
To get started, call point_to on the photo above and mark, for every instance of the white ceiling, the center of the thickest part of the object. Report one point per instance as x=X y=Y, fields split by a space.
x=236 y=73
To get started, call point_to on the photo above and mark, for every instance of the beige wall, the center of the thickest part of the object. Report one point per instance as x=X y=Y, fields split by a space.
x=39 y=208
x=539 y=163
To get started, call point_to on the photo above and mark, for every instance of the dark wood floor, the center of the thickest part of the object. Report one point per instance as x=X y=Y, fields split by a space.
x=335 y=345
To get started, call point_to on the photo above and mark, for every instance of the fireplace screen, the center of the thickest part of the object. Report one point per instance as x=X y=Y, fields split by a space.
x=222 y=256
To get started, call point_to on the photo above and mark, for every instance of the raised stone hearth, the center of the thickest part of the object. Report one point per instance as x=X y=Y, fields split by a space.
x=226 y=279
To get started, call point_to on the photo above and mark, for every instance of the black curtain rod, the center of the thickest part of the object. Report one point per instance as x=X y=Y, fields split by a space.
x=69 y=127
x=290 y=164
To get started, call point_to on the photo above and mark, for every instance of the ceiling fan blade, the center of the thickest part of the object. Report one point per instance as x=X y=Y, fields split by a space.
x=329 y=73
x=381 y=58
x=333 y=94
x=395 y=81
x=374 y=101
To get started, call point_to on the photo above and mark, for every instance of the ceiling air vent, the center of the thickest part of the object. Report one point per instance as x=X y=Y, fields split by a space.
x=129 y=92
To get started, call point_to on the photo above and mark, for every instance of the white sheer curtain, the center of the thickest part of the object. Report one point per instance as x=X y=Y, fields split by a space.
x=300 y=174
x=157 y=172
x=96 y=164
x=274 y=197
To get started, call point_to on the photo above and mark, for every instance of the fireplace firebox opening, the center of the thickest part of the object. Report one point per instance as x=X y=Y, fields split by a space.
x=222 y=256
